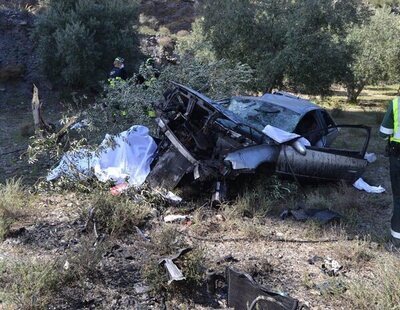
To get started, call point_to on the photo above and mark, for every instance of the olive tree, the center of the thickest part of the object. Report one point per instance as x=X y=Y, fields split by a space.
x=77 y=40
x=297 y=43
x=376 y=52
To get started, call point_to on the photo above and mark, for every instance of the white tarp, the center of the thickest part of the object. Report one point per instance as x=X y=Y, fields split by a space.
x=74 y=165
x=129 y=159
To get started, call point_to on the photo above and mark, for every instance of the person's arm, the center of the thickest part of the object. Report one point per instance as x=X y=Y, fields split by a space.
x=386 y=129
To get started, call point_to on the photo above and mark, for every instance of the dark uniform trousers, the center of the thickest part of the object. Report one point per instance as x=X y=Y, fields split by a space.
x=395 y=180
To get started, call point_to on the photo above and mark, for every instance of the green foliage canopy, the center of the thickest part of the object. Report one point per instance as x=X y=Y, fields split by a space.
x=128 y=103
x=376 y=51
x=300 y=43
x=77 y=40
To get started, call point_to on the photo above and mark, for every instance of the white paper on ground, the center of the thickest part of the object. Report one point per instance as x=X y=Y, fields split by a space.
x=130 y=158
x=361 y=185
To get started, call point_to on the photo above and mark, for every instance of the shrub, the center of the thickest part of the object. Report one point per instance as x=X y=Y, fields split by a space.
x=12 y=201
x=192 y=266
x=282 y=40
x=195 y=43
x=118 y=215
x=127 y=103
x=380 y=290
x=77 y=40
x=29 y=285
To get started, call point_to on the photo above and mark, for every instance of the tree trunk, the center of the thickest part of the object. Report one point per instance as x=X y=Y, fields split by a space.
x=40 y=125
x=353 y=91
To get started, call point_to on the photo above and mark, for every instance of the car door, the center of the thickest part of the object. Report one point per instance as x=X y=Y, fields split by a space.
x=325 y=163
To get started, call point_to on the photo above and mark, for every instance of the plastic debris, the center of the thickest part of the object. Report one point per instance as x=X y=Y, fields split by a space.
x=119 y=189
x=370 y=157
x=172 y=198
x=331 y=267
x=361 y=185
x=175 y=218
x=80 y=125
x=279 y=135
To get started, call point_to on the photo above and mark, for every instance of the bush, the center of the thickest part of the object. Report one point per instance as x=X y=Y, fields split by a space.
x=128 y=103
x=288 y=43
x=380 y=290
x=118 y=215
x=12 y=201
x=29 y=285
x=77 y=40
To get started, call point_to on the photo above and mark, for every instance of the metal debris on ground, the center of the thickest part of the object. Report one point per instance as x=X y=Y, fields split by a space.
x=322 y=216
x=227 y=259
x=245 y=293
x=331 y=267
x=331 y=287
x=172 y=198
x=174 y=273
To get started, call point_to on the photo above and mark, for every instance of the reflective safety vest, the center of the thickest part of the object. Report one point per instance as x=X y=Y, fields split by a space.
x=113 y=81
x=396 y=119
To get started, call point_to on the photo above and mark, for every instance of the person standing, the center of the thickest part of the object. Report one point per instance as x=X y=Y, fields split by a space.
x=390 y=129
x=118 y=72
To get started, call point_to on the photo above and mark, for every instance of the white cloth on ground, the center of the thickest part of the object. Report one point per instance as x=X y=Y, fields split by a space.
x=129 y=159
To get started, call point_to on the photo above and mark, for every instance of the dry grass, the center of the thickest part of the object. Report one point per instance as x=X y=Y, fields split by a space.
x=30 y=284
x=380 y=289
x=193 y=268
x=36 y=283
x=13 y=202
x=260 y=197
x=342 y=198
x=166 y=240
x=117 y=215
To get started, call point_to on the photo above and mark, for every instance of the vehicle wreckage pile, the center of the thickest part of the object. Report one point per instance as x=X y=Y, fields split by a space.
x=201 y=140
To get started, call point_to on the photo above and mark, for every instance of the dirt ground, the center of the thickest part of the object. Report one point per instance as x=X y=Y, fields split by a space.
x=276 y=252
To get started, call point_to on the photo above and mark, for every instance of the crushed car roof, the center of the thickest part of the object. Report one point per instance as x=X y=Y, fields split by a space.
x=290 y=102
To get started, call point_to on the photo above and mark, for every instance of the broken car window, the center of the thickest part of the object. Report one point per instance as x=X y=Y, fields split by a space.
x=259 y=114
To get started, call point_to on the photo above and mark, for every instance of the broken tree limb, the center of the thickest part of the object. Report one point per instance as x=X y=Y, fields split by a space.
x=60 y=134
x=40 y=124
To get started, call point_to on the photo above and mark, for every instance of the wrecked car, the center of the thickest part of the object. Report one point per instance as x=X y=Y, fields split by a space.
x=219 y=140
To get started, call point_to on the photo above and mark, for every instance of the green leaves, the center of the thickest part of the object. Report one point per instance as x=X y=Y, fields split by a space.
x=376 y=51
x=77 y=40
x=293 y=43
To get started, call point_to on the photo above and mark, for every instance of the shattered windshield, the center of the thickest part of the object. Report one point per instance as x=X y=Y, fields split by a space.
x=259 y=114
